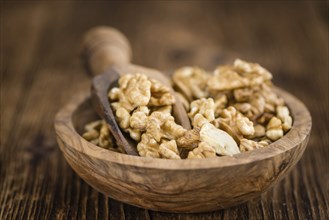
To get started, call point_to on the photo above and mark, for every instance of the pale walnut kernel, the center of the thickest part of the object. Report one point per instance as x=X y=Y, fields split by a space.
x=205 y=107
x=160 y=94
x=136 y=89
x=264 y=118
x=225 y=78
x=199 y=120
x=139 y=118
x=94 y=125
x=202 y=151
x=243 y=107
x=284 y=115
x=148 y=146
x=104 y=139
x=98 y=133
x=241 y=74
x=260 y=131
x=248 y=145
x=114 y=94
x=162 y=125
x=163 y=109
x=243 y=94
x=169 y=150
x=160 y=135
x=220 y=104
x=133 y=91
x=258 y=105
x=253 y=71
x=92 y=130
x=274 y=129
x=122 y=116
x=135 y=134
x=192 y=82
x=134 y=100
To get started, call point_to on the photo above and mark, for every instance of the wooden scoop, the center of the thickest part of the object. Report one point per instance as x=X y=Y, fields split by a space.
x=106 y=53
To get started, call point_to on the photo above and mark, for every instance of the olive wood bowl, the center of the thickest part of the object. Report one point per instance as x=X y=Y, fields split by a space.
x=193 y=185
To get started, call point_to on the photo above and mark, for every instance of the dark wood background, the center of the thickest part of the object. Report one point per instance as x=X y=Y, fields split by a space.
x=40 y=71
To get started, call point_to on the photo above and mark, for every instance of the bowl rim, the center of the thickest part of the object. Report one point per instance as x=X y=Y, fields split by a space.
x=300 y=130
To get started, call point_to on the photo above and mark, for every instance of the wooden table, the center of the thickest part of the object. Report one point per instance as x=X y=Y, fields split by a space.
x=40 y=71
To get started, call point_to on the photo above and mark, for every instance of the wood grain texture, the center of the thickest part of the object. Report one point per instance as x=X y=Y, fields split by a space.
x=187 y=186
x=40 y=71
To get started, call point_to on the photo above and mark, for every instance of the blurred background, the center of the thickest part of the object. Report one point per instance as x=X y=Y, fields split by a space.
x=41 y=70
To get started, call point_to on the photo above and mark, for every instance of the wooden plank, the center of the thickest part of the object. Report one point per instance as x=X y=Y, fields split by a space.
x=40 y=70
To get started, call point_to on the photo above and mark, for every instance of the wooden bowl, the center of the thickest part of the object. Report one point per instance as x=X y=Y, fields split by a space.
x=196 y=185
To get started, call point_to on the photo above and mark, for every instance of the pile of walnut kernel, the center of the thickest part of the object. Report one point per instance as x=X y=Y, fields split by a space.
x=231 y=110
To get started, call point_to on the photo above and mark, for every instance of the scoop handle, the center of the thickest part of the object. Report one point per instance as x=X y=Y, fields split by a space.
x=103 y=47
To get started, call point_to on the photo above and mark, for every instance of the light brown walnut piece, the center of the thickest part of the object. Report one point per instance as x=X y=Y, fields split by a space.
x=169 y=150
x=274 y=129
x=199 y=120
x=248 y=145
x=160 y=135
x=104 y=139
x=243 y=94
x=202 y=151
x=114 y=94
x=92 y=131
x=245 y=108
x=149 y=147
x=284 y=115
x=255 y=73
x=160 y=94
x=98 y=133
x=220 y=104
x=134 y=100
x=260 y=132
x=134 y=124
x=242 y=74
x=135 y=134
x=91 y=136
x=234 y=123
x=123 y=118
x=138 y=118
x=192 y=82
x=272 y=99
x=162 y=109
x=258 y=104
x=162 y=125
x=261 y=98
x=253 y=108
x=264 y=118
x=225 y=78
x=94 y=125
x=133 y=91
x=205 y=107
